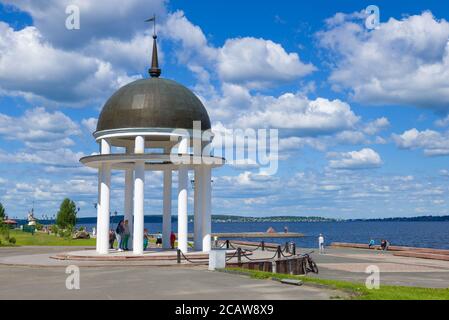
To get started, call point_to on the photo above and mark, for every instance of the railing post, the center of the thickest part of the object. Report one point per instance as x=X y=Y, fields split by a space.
x=294 y=249
x=279 y=252
x=263 y=245
x=178 y=255
x=239 y=255
x=227 y=244
x=286 y=247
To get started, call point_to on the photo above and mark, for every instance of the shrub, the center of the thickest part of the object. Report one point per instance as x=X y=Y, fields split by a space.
x=68 y=233
x=4 y=231
x=67 y=214
x=39 y=226
x=12 y=240
x=54 y=229
x=2 y=212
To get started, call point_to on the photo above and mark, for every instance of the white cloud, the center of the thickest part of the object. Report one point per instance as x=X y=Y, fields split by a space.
x=178 y=28
x=443 y=122
x=292 y=111
x=247 y=61
x=258 y=63
x=39 y=129
x=44 y=190
x=99 y=19
x=130 y=55
x=376 y=126
x=90 y=124
x=432 y=142
x=295 y=143
x=49 y=73
x=61 y=157
x=404 y=62
x=363 y=159
x=350 y=137
x=195 y=52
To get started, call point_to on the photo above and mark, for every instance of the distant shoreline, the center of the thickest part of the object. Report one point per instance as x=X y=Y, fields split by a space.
x=273 y=219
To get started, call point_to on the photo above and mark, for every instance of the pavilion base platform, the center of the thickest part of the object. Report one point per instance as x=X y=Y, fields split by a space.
x=154 y=254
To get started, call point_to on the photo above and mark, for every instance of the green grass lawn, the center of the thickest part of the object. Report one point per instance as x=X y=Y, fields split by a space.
x=358 y=291
x=43 y=239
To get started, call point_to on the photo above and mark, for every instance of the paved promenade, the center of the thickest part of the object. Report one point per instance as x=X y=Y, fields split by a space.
x=29 y=273
x=135 y=282
x=350 y=264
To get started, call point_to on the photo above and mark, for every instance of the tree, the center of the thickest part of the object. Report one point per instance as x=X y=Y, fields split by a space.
x=2 y=212
x=66 y=217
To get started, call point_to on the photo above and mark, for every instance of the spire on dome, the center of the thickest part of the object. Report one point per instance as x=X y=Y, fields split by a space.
x=154 y=71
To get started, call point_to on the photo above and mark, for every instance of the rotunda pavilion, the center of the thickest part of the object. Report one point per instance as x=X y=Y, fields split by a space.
x=155 y=124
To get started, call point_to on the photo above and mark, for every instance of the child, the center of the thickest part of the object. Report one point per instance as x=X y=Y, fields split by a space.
x=145 y=239
x=159 y=240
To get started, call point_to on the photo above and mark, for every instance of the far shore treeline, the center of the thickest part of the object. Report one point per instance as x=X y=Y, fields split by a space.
x=242 y=219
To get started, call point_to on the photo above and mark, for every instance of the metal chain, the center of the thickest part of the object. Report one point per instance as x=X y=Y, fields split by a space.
x=282 y=253
x=243 y=253
x=191 y=261
x=252 y=250
x=235 y=253
x=246 y=256
x=232 y=246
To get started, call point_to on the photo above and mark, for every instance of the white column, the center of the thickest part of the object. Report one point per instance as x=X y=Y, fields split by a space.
x=206 y=207
x=129 y=193
x=139 y=183
x=166 y=219
x=197 y=229
x=98 y=232
x=182 y=200
x=103 y=217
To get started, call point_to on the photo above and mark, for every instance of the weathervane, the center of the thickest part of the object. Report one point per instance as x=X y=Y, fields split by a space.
x=153 y=19
x=154 y=71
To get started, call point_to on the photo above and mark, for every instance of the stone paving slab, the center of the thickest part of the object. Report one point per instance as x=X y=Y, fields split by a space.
x=149 y=283
x=46 y=260
x=340 y=264
x=376 y=257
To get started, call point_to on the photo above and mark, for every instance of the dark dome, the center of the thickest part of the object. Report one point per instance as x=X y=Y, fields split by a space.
x=153 y=103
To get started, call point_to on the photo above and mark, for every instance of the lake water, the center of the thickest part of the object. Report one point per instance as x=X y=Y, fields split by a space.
x=418 y=234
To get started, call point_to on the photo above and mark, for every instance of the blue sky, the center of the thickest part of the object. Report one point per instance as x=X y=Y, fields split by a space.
x=362 y=113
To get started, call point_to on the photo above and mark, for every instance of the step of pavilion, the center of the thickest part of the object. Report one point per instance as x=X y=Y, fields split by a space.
x=92 y=255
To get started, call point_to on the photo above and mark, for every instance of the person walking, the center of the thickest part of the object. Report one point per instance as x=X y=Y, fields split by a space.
x=371 y=243
x=145 y=239
x=321 y=243
x=111 y=239
x=383 y=244
x=126 y=234
x=119 y=235
x=172 y=240
x=159 y=239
